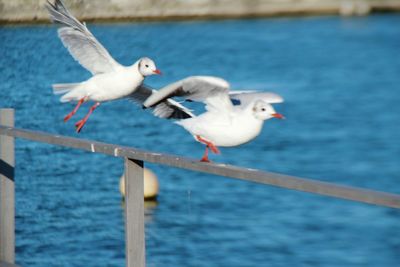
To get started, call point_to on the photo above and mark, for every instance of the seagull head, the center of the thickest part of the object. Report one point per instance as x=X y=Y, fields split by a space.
x=147 y=67
x=264 y=111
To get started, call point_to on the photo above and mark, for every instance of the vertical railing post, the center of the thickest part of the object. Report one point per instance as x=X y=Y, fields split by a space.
x=7 y=201
x=134 y=213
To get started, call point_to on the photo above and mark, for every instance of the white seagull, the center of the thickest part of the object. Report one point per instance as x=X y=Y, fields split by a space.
x=110 y=79
x=231 y=118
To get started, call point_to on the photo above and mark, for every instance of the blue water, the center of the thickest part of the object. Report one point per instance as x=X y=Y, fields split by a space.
x=340 y=78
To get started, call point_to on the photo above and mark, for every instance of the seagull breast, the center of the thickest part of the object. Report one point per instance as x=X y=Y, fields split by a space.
x=224 y=130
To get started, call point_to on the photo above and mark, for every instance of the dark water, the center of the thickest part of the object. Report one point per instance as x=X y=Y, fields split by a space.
x=340 y=78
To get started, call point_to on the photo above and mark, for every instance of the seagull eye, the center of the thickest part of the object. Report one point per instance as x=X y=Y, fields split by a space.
x=263 y=109
x=146 y=66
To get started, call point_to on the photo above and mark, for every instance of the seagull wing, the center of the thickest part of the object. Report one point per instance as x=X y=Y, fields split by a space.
x=166 y=109
x=80 y=42
x=246 y=97
x=213 y=91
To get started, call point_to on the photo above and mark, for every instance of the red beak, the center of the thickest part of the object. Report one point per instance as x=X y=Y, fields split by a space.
x=278 y=116
x=157 y=72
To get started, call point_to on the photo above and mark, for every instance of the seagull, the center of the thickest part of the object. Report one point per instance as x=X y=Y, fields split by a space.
x=110 y=80
x=232 y=118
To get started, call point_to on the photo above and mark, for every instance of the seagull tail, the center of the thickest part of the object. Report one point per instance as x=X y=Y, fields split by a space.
x=62 y=88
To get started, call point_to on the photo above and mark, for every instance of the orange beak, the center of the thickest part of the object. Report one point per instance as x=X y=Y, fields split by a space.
x=278 y=116
x=157 y=72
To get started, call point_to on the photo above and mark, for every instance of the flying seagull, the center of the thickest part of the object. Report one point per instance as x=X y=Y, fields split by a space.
x=223 y=123
x=110 y=79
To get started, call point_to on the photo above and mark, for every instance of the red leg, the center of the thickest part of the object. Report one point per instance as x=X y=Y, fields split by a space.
x=82 y=122
x=214 y=148
x=80 y=102
x=205 y=156
x=209 y=144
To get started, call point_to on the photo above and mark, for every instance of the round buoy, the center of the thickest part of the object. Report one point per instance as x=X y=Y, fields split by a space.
x=150 y=185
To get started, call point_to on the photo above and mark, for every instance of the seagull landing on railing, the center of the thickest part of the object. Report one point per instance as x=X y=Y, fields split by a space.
x=223 y=124
x=110 y=79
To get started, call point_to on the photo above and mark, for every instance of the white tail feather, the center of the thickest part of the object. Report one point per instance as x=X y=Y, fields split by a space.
x=62 y=88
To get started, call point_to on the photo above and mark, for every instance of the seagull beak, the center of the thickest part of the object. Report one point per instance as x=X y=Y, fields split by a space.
x=157 y=72
x=278 y=116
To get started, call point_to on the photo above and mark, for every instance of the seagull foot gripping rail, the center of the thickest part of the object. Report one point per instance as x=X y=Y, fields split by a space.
x=134 y=206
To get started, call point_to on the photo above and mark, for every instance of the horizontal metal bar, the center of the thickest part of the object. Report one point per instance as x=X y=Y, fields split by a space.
x=274 y=179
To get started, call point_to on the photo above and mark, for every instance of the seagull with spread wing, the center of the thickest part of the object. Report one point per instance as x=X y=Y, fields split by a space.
x=231 y=118
x=110 y=79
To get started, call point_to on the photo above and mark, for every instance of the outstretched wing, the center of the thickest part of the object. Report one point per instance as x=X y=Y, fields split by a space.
x=244 y=98
x=79 y=41
x=212 y=91
x=166 y=109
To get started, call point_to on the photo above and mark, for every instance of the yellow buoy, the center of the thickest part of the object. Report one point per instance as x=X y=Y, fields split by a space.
x=150 y=185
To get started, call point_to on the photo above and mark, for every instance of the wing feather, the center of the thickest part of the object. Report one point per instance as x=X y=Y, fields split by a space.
x=213 y=91
x=79 y=41
x=246 y=98
x=166 y=109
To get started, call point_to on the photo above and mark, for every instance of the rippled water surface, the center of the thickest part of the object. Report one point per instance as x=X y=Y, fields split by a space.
x=340 y=78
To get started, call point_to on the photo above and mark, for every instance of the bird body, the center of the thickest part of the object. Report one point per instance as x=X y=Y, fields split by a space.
x=224 y=129
x=107 y=86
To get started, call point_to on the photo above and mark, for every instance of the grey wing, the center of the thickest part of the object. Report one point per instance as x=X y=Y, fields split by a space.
x=211 y=90
x=166 y=109
x=246 y=98
x=79 y=41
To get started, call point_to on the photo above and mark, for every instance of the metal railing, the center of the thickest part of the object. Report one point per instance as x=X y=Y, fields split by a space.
x=134 y=202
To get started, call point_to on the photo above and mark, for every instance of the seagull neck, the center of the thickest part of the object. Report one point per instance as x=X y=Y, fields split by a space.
x=136 y=67
x=250 y=109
